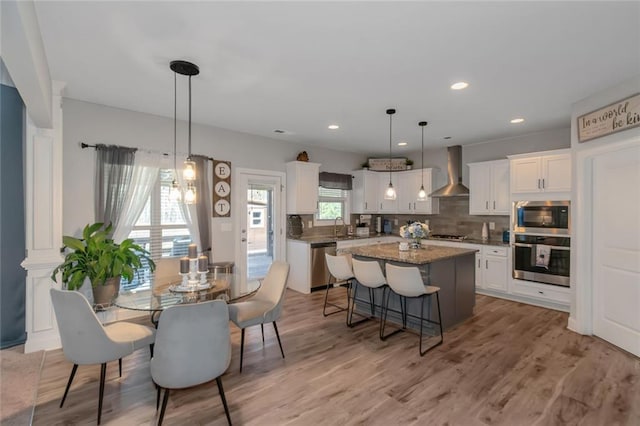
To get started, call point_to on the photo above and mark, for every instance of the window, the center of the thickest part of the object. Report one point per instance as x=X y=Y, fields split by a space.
x=161 y=229
x=257 y=217
x=332 y=203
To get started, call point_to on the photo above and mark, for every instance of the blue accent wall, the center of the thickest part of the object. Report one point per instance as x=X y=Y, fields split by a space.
x=12 y=229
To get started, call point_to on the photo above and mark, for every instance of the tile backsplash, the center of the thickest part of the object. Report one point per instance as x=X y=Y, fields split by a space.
x=454 y=218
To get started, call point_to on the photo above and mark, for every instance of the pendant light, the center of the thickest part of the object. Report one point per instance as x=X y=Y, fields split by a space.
x=390 y=193
x=189 y=171
x=174 y=194
x=422 y=194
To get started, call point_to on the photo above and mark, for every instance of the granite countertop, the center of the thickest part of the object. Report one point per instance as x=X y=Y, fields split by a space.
x=476 y=241
x=331 y=239
x=424 y=255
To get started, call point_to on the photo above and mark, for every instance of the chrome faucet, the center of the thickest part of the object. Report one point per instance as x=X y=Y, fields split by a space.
x=335 y=226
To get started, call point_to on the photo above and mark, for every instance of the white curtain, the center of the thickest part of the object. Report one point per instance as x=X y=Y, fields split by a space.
x=146 y=169
x=190 y=212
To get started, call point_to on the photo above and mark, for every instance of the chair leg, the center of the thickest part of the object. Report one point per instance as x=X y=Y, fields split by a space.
x=262 y=329
x=103 y=373
x=66 y=390
x=351 y=305
x=224 y=400
x=158 y=390
x=327 y=303
x=386 y=293
x=275 y=327
x=120 y=366
x=403 y=307
x=151 y=349
x=439 y=323
x=241 y=349
x=372 y=299
x=165 y=399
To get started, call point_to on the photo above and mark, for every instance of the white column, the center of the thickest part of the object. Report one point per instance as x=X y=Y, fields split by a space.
x=43 y=220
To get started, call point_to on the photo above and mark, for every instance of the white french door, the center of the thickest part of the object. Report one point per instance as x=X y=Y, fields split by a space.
x=260 y=221
x=616 y=248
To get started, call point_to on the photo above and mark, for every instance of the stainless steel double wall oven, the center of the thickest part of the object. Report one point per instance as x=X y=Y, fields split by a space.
x=541 y=243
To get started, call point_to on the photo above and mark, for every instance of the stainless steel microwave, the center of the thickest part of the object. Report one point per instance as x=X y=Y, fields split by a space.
x=542 y=217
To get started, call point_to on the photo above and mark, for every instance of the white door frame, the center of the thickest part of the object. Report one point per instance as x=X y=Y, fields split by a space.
x=240 y=221
x=582 y=236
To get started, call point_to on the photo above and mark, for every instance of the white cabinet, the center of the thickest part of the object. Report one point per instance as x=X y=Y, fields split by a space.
x=364 y=196
x=299 y=259
x=541 y=172
x=369 y=187
x=489 y=188
x=302 y=187
x=408 y=186
x=496 y=268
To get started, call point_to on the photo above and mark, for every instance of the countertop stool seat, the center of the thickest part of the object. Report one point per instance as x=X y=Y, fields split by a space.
x=368 y=274
x=407 y=283
x=341 y=273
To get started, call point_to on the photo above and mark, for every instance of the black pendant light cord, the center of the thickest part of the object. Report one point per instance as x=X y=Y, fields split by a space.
x=390 y=112
x=189 y=117
x=175 y=121
x=422 y=124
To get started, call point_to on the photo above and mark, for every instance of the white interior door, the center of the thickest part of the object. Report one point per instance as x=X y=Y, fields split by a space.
x=260 y=222
x=616 y=248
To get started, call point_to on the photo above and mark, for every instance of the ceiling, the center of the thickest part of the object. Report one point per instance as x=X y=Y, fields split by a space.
x=300 y=66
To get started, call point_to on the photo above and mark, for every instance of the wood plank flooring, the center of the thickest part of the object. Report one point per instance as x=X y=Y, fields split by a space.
x=510 y=364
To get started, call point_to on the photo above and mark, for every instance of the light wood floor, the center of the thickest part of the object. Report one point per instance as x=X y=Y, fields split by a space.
x=511 y=364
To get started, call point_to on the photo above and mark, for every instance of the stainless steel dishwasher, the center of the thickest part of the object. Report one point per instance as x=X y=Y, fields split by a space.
x=319 y=271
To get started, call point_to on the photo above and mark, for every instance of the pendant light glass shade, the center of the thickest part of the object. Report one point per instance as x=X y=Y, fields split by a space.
x=175 y=194
x=189 y=171
x=390 y=193
x=190 y=194
x=422 y=194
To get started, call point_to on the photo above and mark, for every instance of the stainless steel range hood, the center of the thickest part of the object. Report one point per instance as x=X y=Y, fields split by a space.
x=454 y=188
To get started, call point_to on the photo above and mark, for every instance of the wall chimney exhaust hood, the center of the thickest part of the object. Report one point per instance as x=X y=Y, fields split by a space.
x=454 y=188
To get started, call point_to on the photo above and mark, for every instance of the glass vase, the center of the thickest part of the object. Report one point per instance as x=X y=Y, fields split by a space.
x=415 y=243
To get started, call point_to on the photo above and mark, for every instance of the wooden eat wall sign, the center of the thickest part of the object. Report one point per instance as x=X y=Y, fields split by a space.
x=221 y=188
x=618 y=116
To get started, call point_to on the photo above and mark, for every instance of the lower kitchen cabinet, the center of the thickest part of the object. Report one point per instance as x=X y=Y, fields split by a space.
x=299 y=259
x=495 y=272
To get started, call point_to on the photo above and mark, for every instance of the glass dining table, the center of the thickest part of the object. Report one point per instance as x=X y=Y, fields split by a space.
x=161 y=296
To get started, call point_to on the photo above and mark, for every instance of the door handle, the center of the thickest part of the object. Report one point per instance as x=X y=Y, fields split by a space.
x=539 y=184
x=478 y=263
x=494 y=205
x=486 y=264
x=366 y=205
x=542 y=183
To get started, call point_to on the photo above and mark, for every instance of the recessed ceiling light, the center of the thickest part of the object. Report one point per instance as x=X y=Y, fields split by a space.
x=279 y=131
x=402 y=144
x=517 y=120
x=459 y=85
x=447 y=137
x=333 y=126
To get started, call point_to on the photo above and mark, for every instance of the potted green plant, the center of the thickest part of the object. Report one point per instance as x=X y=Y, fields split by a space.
x=365 y=165
x=100 y=259
x=409 y=164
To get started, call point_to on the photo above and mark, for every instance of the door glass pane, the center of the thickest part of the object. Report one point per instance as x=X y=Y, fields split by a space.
x=259 y=230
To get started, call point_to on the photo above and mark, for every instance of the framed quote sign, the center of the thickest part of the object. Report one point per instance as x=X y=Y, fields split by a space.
x=618 y=116
x=221 y=188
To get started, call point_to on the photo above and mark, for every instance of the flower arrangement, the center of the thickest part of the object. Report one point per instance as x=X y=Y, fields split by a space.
x=415 y=231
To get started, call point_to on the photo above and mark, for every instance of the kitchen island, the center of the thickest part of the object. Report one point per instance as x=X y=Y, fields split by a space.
x=451 y=269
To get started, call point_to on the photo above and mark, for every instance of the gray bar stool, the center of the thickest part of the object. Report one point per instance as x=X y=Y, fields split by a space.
x=407 y=282
x=368 y=274
x=341 y=272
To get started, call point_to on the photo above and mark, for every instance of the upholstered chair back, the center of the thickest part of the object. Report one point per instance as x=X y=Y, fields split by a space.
x=339 y=266
x=273 y=289
x=405 y=280
x=368 y=273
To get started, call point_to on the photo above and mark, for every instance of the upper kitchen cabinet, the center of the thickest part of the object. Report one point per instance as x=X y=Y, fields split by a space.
x=364 y=196
x=302 y=187
x=489 y=188
x=408 y=184
x=548 y=171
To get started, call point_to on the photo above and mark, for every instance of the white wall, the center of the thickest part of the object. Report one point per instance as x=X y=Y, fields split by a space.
x=580 y=315
x=93 y=123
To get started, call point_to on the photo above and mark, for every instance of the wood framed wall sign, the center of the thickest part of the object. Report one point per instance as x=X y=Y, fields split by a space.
x=221 y=189
x=383 y=164
x=618 y=116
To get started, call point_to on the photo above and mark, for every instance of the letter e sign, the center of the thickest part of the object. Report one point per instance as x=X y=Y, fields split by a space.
x=221 y=189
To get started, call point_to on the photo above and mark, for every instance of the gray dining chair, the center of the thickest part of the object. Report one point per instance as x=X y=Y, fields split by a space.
x=265 y=306
x=86 y=341
x=193 y=346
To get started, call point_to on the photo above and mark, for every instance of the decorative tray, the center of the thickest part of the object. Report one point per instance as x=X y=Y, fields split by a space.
x=179 y=288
